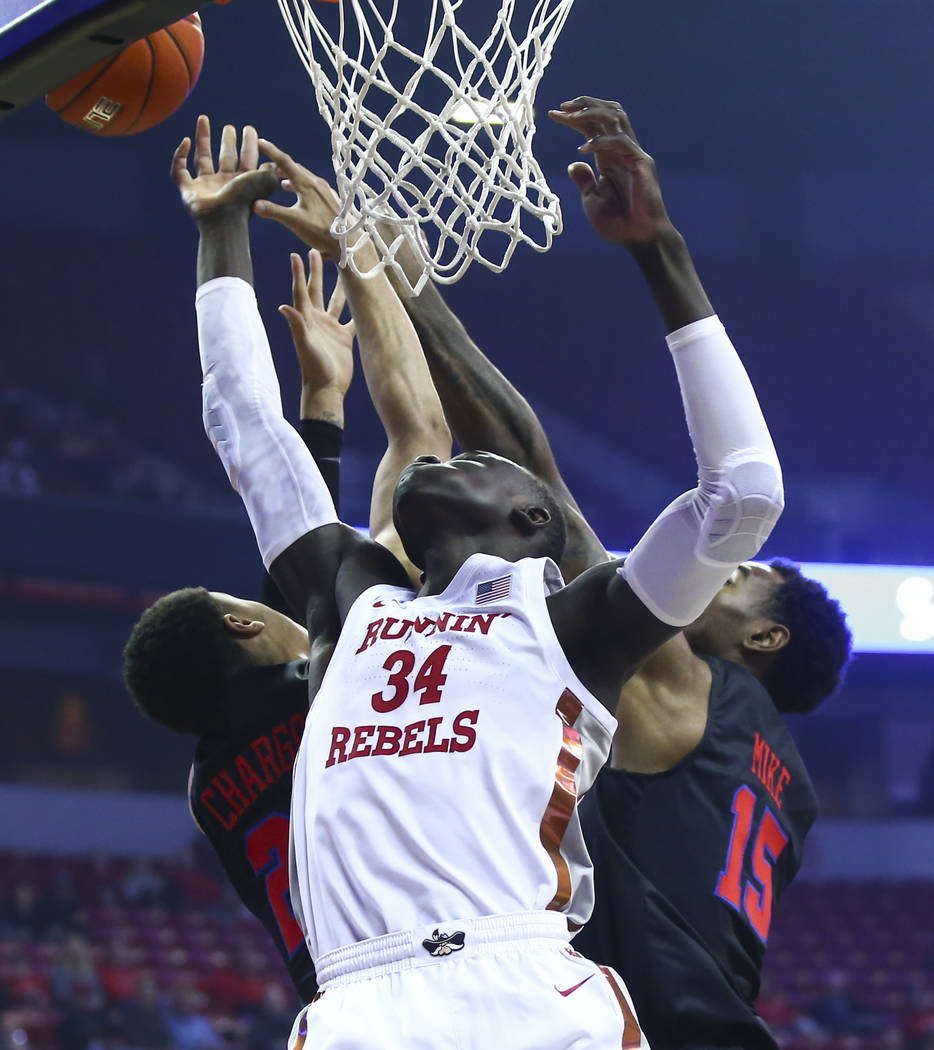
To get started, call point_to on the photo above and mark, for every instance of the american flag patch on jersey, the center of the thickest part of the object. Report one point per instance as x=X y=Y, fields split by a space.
x=493 y=590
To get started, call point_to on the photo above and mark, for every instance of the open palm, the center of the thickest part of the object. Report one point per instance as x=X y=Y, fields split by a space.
x=238 y=180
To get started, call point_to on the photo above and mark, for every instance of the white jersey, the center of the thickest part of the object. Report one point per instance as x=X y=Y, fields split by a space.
x=442 y=761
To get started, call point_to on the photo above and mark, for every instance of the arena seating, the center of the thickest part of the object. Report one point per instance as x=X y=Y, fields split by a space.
x=879 y=934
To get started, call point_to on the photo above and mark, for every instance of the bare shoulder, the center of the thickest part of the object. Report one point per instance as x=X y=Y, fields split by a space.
x=662 y=710
x=675 y=670
x=324 y=572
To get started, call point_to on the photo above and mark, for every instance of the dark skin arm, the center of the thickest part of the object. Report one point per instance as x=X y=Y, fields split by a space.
x=485 y=411
x=322 y=572
x=663 y=706
x=623 y=201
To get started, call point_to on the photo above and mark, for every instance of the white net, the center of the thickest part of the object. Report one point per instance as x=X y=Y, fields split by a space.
x=436 y=142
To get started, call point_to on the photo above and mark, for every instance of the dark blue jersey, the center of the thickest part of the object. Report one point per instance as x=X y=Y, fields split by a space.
x=689 y=865
x=240 y=790
x=240 y=793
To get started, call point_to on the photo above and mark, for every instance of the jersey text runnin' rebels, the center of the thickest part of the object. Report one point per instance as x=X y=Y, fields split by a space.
x=442 y=760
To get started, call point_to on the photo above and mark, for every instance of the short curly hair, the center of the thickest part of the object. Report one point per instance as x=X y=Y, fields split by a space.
x=811 y=666
x=178 y=660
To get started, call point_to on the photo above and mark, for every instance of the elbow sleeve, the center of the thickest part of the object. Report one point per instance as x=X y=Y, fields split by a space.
x=695 y=544
x=266 y=461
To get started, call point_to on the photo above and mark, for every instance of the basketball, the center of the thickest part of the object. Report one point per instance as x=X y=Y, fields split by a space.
x=136 y=88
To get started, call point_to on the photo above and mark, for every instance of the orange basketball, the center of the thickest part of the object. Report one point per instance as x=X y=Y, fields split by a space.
x=137 y=87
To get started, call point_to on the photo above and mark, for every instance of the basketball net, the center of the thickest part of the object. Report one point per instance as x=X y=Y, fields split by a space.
x=444 y=158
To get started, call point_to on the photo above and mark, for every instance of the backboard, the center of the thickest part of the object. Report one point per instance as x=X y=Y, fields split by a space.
x=46 y=43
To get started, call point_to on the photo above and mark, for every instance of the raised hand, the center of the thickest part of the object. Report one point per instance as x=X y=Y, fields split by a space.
x=315 y=208
x=238 y=181
x=623 y=201
x=324 y=346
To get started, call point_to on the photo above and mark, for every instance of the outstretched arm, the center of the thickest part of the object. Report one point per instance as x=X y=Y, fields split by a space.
x=486 y=411
x=313 y=558
x=324 y=347
x=695 y=544
x=397 y=376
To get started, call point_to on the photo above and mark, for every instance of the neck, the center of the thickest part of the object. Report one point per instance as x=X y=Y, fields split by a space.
x=442 y=561
x=757 y=665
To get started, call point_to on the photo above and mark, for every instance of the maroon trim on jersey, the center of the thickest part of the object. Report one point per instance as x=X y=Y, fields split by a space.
x=302 y=1034
x=632 y=1033
x=563 y=799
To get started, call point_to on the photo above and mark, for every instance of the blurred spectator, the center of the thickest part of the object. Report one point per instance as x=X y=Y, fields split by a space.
x=775 y=1009
x=253 y=968
x=190 y=1028
x=271 y=1021
x=918 y=1023
x=141 y=1022
x=122 y=975
x=21 y=913
x=198 y=888
x=79 y=996
x=59 y=907
x=62 y=448
x=102 y=870
x=892 y=1039
x=221 y=982
x=143 y=886
x=840 y=1013
x=26 y=988
x=24 y=1010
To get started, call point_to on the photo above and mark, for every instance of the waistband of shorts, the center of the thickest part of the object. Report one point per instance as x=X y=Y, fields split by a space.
x=437 y=943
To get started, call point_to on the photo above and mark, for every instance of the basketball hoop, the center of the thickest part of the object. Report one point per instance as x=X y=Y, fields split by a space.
x=446 y=157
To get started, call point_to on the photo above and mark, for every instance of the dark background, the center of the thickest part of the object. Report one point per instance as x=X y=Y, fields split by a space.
x=793 y=142
x=794 y=145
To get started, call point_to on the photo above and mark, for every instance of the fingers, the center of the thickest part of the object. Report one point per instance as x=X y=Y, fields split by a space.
x=620 y=143
x=593 y=116
x=295 y=322
x=289 y=167
x=227 y=154
x=296 y=177
x=337 y=300
x=249 y=149
x=180 y=173
x=589 y=122
x=583 y=178
x=315 y=288
x=204 y=164
x=267 y=210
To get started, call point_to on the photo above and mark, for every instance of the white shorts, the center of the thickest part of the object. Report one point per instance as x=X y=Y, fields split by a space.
x=506 y=981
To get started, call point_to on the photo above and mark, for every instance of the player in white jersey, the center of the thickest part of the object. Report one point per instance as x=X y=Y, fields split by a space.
x=438 y=860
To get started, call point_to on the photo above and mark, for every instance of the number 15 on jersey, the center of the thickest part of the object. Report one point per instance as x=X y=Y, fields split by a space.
x=751 y=897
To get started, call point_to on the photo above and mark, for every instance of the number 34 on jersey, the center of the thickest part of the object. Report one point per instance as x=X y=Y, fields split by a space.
x=423 y=735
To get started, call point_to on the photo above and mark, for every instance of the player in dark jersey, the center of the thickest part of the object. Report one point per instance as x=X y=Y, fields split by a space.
x=238 y=673
x=696 y=824
x=240 y=790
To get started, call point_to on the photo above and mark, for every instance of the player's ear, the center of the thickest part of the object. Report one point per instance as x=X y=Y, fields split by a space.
x=241 y=627
x=766 y=636
x=529 y=519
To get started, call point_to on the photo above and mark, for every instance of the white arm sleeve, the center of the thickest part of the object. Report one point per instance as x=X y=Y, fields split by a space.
x=694 y=545
x=265 y=459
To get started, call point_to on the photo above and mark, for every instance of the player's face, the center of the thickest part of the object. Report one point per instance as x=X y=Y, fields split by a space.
x=739 y=604
x=471 y=492
x=280 y=640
